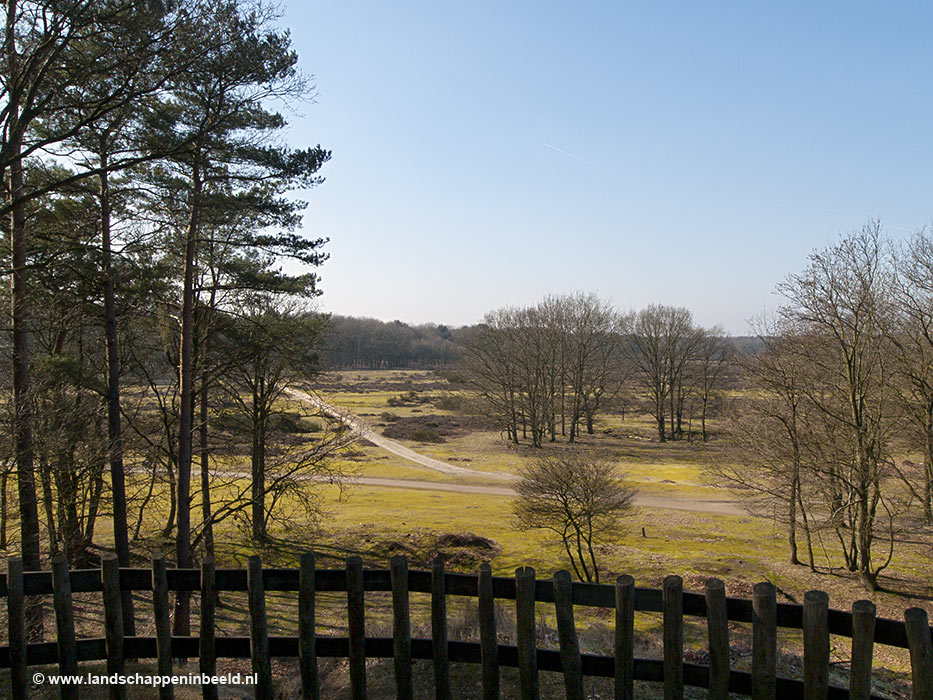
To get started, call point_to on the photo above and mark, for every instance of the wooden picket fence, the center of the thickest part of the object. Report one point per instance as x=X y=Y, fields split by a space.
x=764 y=613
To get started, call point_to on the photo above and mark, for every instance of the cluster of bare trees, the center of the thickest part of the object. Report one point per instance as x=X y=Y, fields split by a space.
x=146 y=203
x=550 y=368
x=675 y=363
x=547 y=369
x=841 y=398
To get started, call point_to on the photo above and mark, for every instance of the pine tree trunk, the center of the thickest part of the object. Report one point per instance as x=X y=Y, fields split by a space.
x=19 y=318
x=182 y=622
x=114 y=428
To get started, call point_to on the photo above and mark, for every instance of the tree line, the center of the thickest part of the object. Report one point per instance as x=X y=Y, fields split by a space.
x=148 y=206
x=367 y=343
x=550 y=369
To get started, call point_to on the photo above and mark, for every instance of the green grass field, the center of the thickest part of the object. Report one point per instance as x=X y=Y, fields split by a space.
x=377 y=522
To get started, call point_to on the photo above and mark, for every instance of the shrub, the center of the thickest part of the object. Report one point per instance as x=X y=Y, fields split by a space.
x=425 y=435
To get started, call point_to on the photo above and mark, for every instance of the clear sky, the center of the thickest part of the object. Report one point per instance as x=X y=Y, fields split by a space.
x=488 y=153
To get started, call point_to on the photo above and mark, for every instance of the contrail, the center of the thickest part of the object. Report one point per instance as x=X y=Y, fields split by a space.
x=575 y=157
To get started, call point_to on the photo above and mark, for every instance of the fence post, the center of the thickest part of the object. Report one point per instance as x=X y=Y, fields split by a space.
x=921 y=653
x=673 y=595
x=16 y=628
x=207 y=641
x=163 y=628
x=625 y=639
x=307 y=635
x=863 y=640
x=439 y=630
x=815 y=645
x=356 y=628
x=401 y=627
x=525 y=632
x=113 y=621
x=567 y=636
x=764 y=642
x=64 y=624
x=717 y=626
x=489 y=644
x=258 y=632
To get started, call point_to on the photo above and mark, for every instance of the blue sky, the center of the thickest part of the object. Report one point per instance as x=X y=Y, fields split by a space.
x=488 y=153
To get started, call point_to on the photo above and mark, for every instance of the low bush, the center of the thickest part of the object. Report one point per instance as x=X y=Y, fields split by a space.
x=424 y=435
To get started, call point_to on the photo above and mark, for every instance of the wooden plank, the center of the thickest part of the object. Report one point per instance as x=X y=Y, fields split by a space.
x=764 y=642
x=307 y=635
x=625 y=638
x=401 y=628
x=525 y=632
x=207 y=641
x=64 y=624
x=113 y=621
x=489 y=647
x=439 y=630
x=356 y=623
x=921 y=653
x=673 y=592
x=863 y=634
x=163 y=627
x=16 y=628
x=258 y=631
x=717 y=626
x=567 y=636
x=815 y=645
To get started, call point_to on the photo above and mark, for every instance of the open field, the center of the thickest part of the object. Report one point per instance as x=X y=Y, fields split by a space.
x=740 y=548
x=378 y=521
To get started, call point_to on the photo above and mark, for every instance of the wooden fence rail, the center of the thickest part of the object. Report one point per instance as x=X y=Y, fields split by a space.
x=814 y=618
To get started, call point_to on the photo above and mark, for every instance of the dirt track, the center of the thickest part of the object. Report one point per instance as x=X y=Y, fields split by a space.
x=642 y=500
x=364 y=430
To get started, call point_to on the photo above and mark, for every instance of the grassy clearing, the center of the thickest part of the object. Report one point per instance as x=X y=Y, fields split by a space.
x=377 y=522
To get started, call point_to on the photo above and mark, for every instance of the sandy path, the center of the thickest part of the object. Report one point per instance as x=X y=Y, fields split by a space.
x=642 y=500
x=364 y=430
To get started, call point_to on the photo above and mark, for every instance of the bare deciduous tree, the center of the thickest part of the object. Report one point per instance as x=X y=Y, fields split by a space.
x=841 y=302
x=577 y=495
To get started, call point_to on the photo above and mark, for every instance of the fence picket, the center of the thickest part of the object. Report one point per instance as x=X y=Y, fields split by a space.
x=717 y=625
x=673 y=638
x=863 y=640
x=625 y=639
x=921 y=653
x=815 y=645
x=162 y=625
x=439 y=630
x=356 y=628
x=113 y=621
x=64 y=624
x=764 y=642
x=401 y=627
x=489 y=645
x=258 y=631
x=207 y=641
x=307 y=635
x=16 y=628
x=525 y=632
x=567 y=636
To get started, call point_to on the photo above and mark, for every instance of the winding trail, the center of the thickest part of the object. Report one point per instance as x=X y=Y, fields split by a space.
x=364 y=430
